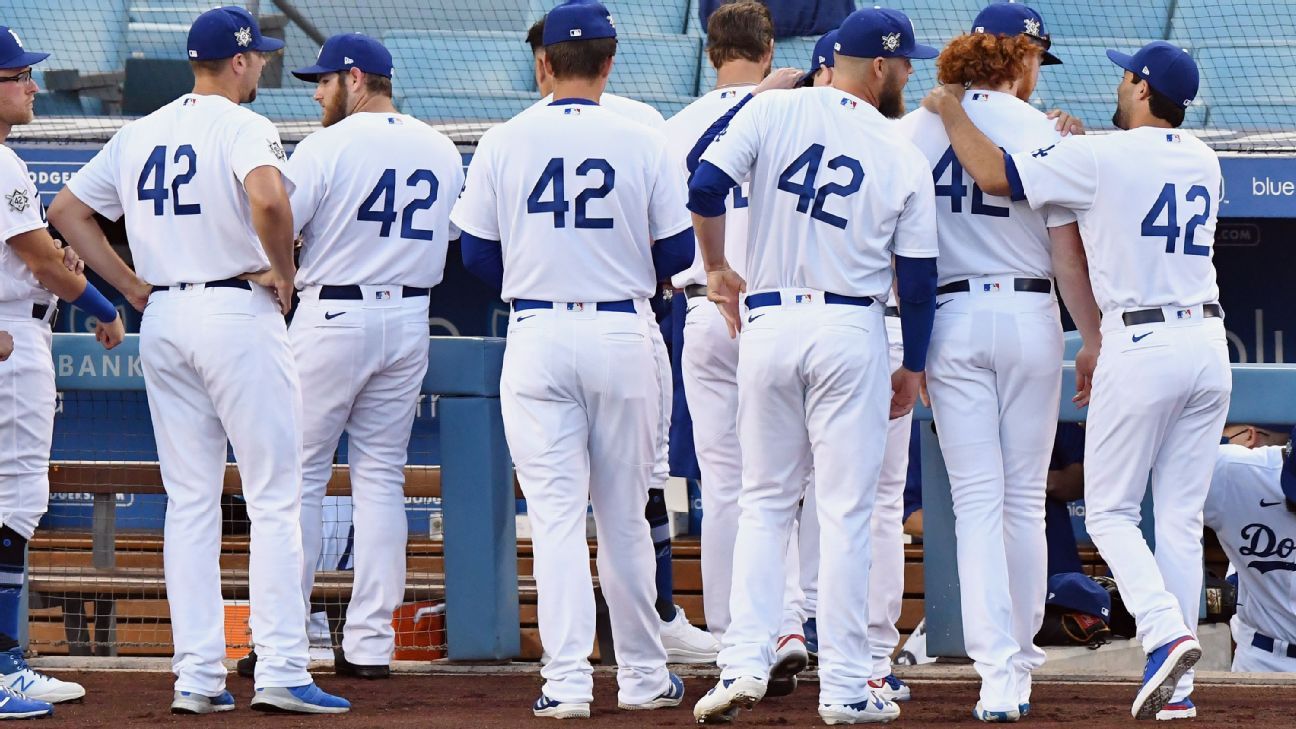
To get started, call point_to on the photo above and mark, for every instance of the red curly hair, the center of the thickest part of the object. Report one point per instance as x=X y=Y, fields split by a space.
x=983 y=59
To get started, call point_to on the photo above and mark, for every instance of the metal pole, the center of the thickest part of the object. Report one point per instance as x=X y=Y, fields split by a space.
x=301 y=21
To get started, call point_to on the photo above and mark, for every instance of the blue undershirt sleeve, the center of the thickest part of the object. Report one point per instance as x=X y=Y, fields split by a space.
x=708 y=188
x=484 y=259
x=916 y=290
x=1017 y=190
x=674 y=254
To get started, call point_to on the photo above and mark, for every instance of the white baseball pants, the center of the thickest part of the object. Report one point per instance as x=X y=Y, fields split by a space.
x=27 y=401
x=362 y=364
x=813 y=394
x=579 y=393
x=1249 y=659
x=217 y=366
x=994 y=376
x=1160 y=396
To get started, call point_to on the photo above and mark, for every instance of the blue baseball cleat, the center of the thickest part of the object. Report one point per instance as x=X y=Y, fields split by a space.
x=1165 y=666
x=547 y=707
x=672 y=696
x=14 y=705
x=307 y=699
x=1178 y=710
x=189 y=702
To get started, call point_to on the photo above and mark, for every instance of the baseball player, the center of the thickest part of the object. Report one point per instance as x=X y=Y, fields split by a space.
x=684 y=643
x=1248 y=511
x=1161 y=386
x=995 y=365
x=833 y=197
x=576 y=232
x=199 y=182
x=34 y=274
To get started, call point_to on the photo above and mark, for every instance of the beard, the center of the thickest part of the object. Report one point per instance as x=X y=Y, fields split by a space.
x=1120 y=119
x=891 y=100
x=249 y=97
x=335 y=107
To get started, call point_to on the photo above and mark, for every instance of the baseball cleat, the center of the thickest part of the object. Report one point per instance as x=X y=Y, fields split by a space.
x=810 y=629
x=687 y=644
x=721 y=704
x=246 y=665
x=672 y=696
x=188 y=702
x=1178 y=710
x=996 y=717
x=891 y=688
x=790 y=658
x=778 y=687
x=14 y=705
x=547 y=707
x=1024 y=709
x=872 y=710
x=1165 y=665
x=307 y=699
x=17 y=675
x=343 y=667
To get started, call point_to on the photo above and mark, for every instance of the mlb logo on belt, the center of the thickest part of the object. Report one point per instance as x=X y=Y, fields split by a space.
x=804 y=298
x=1183 y=314
x=989 y=287
x=384 y=294
x=576 y=306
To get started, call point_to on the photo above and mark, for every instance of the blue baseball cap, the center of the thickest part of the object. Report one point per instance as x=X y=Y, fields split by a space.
x=1166 y=67
x=1013 y=19
x=578 y=20
x=345 y=51
x=1076 y=591
x=226 y=32
x=823 y=55
x=12 y=53
x=880 y=33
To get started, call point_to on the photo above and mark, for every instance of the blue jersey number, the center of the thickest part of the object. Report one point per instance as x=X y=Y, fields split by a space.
x=956 y=190
x=811 y=199
x=557 y=205
x=384 y=194
x=1167 y=205
x=152 y=180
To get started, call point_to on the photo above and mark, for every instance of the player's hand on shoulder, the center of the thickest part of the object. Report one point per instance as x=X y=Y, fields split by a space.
x=6 y=345
x=110 y=334
x=904 y=391
x=72 y=261
x=942 y=97
x=783 y=78
x=1066 y=123
x=725 y=287
x=1086 y=362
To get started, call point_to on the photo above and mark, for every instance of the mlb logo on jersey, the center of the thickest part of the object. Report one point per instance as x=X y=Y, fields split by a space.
x=1172 y=138
x=990 y=287
x=394 y=120
x=980 y=97
x=190 y=102
x=847 y=102
x=572 y=111
x=728 y=94
x=805 y=298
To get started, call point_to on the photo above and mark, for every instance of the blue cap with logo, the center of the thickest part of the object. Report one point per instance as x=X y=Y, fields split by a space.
x=1166 y=67
x=226 y=32
x=1076 y=591
x=578 y=20
x=1010 y=18
x=823 y=55
x=12 y=53
x=345 y=51
x=880 y=33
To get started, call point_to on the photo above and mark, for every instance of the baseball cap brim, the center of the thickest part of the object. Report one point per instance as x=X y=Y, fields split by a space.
x=922 y=52
x=1124 y=60
x=1048 y=59
x=268 y=45
x=23 y=60
x=313 y=73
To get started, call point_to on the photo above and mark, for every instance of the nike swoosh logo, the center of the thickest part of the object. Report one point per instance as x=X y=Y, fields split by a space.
x=524 y=318
x=1264 y=503
x=939 y=304
x=333 y=314
x=754 y=317
x=1140 y=337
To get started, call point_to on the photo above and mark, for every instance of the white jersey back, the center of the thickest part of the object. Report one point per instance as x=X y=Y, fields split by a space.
x=20 y=213
x=626 y=107
x=834 y=192
x=177 y=175
x=1246 y=509
x=576 y=194
x=984 y=234
x=1146 y=200
x=372 y=197
x=682 y=133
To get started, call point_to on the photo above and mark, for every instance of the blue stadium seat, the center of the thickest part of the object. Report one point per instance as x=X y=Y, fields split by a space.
x=936 y=21
x=1254 y=117
x=655 y=64
x=157 y=40
x=794 y=52
x=87 y=35
x=1085 y=71
x=1146 y=20
x=1195 y=21
x=181 y=13
x=287 y=104
x=664 y=17
x=479 y=61
x=456 y=107
x=1245 y=72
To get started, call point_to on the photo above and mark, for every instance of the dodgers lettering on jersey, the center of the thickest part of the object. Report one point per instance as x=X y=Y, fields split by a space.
x=834 y=192
x=20 y=212
x=984 y=234
x=682 y=132
x=1247 y=511
x=636 y=111
x=575 y=194
x=177 y=176
x=372 y=197
x=1146 y=200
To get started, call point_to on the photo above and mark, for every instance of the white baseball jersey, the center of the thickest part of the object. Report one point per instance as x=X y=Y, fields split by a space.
x=834 y=193
x=1247 y=511
x=164 y=170
x=21 y=213
x=1146 y=200
x=682 y=133
x=563 y=189
x=626 y=107
x=372 y=197
x=984 y=234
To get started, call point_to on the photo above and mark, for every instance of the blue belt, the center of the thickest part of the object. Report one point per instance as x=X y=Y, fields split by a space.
x=1265 y=643
x=775 y=298
x=625 y=306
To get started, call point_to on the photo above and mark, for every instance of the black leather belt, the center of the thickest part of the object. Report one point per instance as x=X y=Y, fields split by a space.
x=355 y=293
x=1156 y=316
x=893 y=311
x=225 y=283
x=1033 y=285
x=40 y=310
x=695 y=290
x=1265 y=643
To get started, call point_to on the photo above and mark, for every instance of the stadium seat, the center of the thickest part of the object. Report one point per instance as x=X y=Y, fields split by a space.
x=152 y=83
x=1096 y=111
x=179 y=13
x=1085 y=72
x=1146 y=20
x=432 y=106
x=936 y=21
x=483 y=62
x=655 y=64
x=64 y=103
x=99 y=32
x=794 y=52
x=1197 y=21
x=665 y=17
x=287 y=104
x=157 y=40
x=1254 y=117
x=1246 y=72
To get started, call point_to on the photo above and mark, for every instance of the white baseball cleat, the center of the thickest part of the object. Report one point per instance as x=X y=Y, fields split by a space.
x=1178 y=710
x=685 y=643
x=548 y=708
x=891 y=688
x=721 y=704
x=996 y=717
x=872 y=710
x=17 y=675
x=671 y=697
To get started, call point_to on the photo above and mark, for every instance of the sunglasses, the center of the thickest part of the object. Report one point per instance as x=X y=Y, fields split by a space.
x=21 y=78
